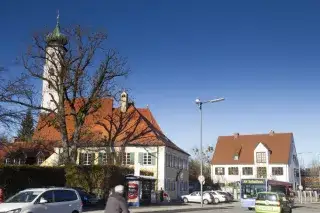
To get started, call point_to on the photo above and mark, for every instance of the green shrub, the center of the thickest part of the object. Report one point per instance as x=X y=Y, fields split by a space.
x=16 y=178
x=98 y=179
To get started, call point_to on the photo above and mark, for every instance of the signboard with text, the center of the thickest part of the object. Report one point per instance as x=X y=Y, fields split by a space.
x=253 y=181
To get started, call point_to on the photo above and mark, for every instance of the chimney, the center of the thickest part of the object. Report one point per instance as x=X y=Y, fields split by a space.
x=271 y=133
x=236 y=135
x=124 y=101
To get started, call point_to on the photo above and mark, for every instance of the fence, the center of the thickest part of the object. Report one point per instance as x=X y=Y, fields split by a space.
x=308 y=197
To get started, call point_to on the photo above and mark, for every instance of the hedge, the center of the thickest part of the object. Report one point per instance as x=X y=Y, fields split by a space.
x=98 y=179
x=16 y=178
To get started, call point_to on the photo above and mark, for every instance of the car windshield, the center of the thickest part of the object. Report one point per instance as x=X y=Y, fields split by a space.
x=23 y=197
x=266 y=196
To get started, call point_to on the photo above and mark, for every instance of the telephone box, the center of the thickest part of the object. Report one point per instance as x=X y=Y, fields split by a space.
x=139 y=189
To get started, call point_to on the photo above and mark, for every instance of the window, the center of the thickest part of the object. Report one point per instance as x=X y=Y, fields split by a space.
x=40 y=160
x=86 y=158
x=186 y=187
x=167 y=160
x=261 y=157
x=102 y=160
x=177 y=162
x=180 y=164
x=64 y=196
x=247 y=171
x=48 y=196
x=170 y=160
x=8 y=161
x=174 y=161
x=233 y=171
x=277 y=170
x=128 y=158
x=219 y=171
x=146 y=158
x=261 y=172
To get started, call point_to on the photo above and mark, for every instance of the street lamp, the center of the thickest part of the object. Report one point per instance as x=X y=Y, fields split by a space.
x=200 y=103
x=300 y=153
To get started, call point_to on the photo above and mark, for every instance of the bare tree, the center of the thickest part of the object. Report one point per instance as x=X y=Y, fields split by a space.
x=10 y=115
x=126 y=128
x=78 y=71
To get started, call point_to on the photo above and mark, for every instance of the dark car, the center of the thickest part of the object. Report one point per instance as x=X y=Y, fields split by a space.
x=87 y=198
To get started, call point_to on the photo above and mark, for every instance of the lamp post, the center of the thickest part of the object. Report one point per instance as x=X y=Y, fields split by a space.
x=200 y=103
x=300 y=153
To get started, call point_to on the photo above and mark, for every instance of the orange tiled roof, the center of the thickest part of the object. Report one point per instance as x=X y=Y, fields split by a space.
x=108 y=126
x=11 y=148
x=278 y=143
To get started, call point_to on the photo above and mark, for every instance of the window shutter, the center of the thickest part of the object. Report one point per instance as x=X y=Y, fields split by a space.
x=141 y=158
x=100 y=158
x=153 y=158
x=81 y=157
x=132 y=158
x=93 y=158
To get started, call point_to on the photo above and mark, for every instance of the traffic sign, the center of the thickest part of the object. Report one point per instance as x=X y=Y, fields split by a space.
x=300 y=188
x=201 y=179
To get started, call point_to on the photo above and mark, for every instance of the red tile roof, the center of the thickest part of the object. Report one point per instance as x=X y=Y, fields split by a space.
x=11 y=148
x=227 y=146
x=108 y=126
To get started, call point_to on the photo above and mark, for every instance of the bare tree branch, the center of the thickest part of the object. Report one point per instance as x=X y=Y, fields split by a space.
x=75 y=86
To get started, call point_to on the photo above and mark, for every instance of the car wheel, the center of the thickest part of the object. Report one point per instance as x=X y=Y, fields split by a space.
x=75 y=212
x=185 y=200
x=216 y=200
x=205 y=202
x=250 y=208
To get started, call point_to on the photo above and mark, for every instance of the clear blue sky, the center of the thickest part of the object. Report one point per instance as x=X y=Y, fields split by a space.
x=262 y=56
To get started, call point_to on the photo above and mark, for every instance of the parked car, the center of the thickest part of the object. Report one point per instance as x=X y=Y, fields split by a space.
x=229 y=197
x=218 y=196
x=49 y=200
x=87 y=198
x=195 y=197
x=272 y=202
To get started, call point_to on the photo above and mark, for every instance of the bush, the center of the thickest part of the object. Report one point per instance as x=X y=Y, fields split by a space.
x=98 y=179
x=16 y=178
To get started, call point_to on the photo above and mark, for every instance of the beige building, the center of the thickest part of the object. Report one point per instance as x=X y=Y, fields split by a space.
x=109 y=132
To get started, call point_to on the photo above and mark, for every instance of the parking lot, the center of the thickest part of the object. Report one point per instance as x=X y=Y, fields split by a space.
x=224 y=207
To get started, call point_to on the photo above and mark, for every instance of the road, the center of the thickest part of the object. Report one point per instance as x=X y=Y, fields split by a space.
x=226 y=208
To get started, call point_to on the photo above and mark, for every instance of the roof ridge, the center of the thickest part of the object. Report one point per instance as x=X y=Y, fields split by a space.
x=258 y=134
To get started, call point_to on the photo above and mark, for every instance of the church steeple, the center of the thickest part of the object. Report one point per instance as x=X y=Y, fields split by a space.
x=55 y=52
x=56 y=37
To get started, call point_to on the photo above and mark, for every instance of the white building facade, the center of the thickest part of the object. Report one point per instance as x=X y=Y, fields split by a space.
x=169 y=166
x=262 y=165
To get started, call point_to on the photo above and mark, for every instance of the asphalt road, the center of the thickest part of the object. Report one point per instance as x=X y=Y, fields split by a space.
x=226 y=208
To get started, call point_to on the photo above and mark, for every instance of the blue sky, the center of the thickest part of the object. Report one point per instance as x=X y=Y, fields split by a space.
x=262 y=56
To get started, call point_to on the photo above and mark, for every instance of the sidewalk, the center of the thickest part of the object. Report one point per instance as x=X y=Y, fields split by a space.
x=175 y=207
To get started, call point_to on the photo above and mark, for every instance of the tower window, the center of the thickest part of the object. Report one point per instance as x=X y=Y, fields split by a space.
x=51 y=71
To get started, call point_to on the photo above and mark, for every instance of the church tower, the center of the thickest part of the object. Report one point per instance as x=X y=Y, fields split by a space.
x=55 y=51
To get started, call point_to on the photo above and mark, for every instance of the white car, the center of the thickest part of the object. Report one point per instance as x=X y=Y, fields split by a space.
x=43 y=200
x=218 y=196
x=195 y=197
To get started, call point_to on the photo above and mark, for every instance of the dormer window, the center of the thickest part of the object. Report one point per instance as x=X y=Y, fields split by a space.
x=261 y=157
x=236 y=157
